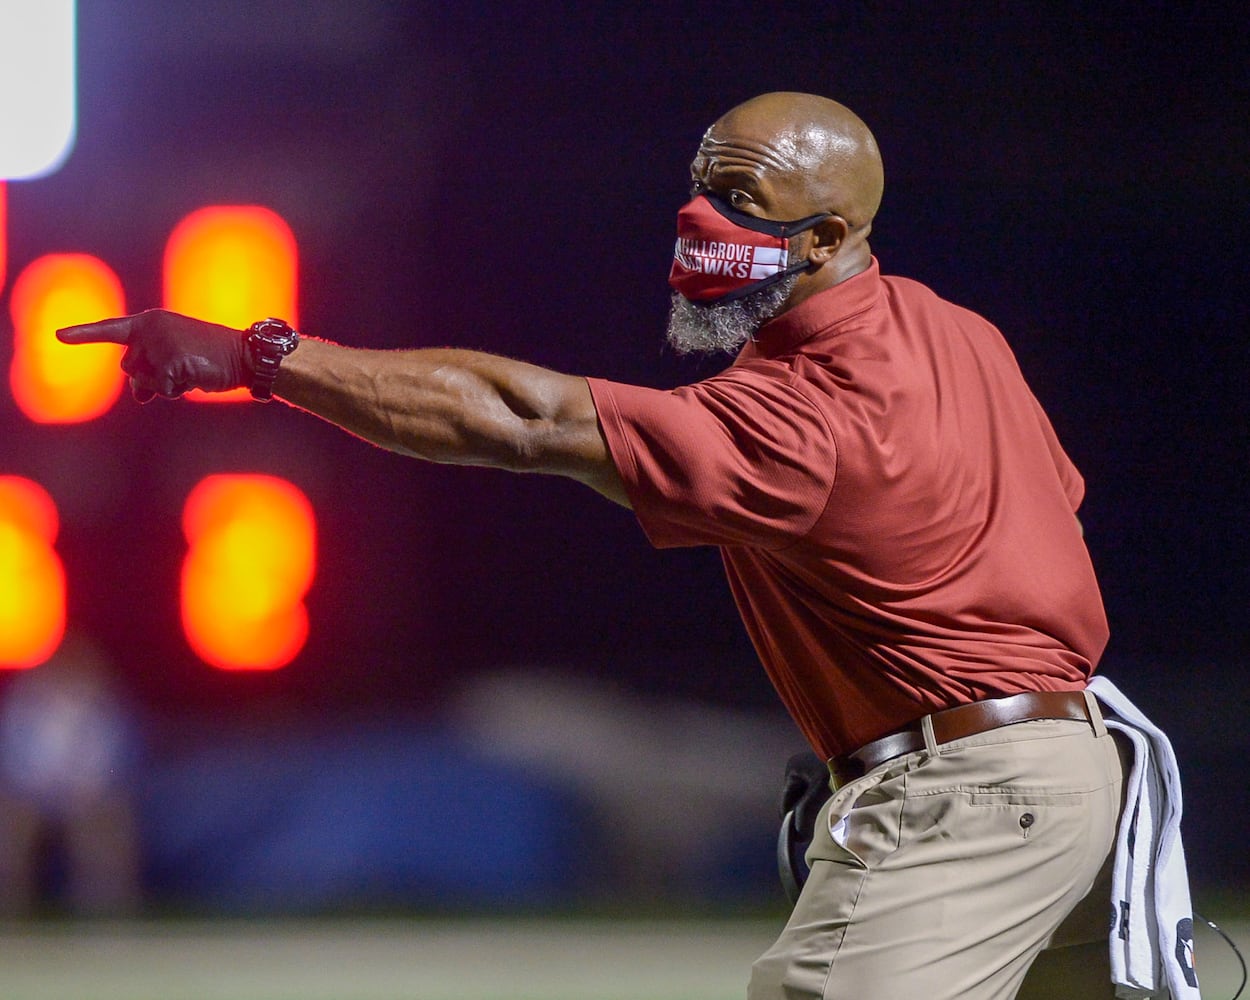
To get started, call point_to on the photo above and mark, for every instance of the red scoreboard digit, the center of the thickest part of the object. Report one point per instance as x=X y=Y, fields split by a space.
x=32 y=579
x=251 y=554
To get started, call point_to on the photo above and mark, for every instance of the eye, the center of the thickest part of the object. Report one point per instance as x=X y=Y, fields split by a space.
x=697 y=188
x=737 y=198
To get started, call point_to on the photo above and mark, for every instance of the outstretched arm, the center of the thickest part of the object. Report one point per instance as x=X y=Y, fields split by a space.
x=452 y=406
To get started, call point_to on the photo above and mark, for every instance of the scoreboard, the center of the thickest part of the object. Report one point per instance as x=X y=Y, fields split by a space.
x=250 y=539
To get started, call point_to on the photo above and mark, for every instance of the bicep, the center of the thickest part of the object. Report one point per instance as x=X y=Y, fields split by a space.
x=526 y=418
x=565 y=437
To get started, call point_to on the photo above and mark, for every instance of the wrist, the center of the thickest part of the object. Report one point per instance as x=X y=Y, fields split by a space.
x=265 y=344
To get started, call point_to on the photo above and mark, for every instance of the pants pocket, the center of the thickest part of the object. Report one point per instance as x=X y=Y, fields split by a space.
x=859 y=825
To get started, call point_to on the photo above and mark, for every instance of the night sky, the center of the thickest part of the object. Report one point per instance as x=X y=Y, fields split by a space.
x=505 y=176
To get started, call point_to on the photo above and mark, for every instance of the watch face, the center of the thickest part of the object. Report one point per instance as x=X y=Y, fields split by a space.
x=275 y=333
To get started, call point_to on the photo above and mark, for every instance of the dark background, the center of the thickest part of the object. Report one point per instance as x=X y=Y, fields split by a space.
x=505 y=176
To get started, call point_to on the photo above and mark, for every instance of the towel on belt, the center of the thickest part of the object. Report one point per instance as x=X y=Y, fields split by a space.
x=1152 y=928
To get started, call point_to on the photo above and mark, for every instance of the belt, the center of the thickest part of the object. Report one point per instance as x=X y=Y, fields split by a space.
x=959 y=723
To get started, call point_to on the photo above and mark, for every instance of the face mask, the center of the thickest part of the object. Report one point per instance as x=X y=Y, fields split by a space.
x=723 y=254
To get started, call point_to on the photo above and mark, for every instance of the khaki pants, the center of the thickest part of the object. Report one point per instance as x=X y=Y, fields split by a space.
x=944 y=875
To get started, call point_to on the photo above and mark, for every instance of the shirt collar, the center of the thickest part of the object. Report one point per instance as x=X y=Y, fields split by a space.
x=823 y=311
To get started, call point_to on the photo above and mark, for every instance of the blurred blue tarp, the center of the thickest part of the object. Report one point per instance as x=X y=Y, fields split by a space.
x=359 y=815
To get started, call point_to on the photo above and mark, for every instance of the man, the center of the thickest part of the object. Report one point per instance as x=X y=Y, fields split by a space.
x=897 y=521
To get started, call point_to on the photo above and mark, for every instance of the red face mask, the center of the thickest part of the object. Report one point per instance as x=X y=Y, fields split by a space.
x=723 y=254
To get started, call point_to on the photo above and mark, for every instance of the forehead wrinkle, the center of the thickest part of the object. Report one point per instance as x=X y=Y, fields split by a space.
x=778 y=155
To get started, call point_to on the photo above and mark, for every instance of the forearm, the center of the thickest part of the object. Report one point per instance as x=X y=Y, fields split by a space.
x=454 y=406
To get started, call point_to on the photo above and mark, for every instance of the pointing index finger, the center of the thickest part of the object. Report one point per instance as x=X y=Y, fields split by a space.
x=108 y=331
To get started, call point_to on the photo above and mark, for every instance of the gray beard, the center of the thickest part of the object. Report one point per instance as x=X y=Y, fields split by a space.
x=707 y=328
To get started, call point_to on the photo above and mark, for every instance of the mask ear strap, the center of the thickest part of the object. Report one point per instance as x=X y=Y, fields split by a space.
x=802 y=225
x=763 y=283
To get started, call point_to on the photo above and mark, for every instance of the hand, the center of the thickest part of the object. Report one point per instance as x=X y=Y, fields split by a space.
x=168 y=354
x=805 y=790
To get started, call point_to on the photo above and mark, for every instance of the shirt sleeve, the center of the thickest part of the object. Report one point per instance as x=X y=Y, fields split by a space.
x=1073 y=481
x=743 y=458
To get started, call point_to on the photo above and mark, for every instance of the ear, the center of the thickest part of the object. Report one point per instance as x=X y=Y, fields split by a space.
x=827 y=239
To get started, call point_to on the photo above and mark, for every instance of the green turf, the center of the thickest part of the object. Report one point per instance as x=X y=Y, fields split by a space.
x=423 y=959
x=383 y=960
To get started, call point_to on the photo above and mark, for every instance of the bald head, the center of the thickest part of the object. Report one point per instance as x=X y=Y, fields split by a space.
x=815 y=146
x=786 y=156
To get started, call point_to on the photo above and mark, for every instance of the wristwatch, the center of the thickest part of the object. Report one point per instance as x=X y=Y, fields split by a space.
x=268 y=342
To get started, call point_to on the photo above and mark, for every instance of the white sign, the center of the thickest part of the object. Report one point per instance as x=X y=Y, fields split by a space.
x=37 y=86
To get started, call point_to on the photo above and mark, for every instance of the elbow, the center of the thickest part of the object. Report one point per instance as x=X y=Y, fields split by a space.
x=519 y=447
x=522 y=444
x=506 y=444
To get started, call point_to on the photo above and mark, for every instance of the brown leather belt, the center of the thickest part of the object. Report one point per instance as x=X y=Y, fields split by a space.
x=959 y=723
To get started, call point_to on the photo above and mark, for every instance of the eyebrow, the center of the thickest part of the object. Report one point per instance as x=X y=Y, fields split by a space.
x=739 y=174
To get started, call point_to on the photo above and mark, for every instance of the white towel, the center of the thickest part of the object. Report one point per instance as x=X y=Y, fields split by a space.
x=1152 y=930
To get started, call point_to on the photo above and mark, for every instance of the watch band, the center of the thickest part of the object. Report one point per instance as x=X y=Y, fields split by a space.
x=268 y=342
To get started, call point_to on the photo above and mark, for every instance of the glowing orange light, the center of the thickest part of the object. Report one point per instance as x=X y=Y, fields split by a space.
x=232 y=265
x=32 y=580
x=54 y=383
x=251 y=559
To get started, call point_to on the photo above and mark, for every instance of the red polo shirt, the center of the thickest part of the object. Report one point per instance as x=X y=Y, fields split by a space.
x=895 y=513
